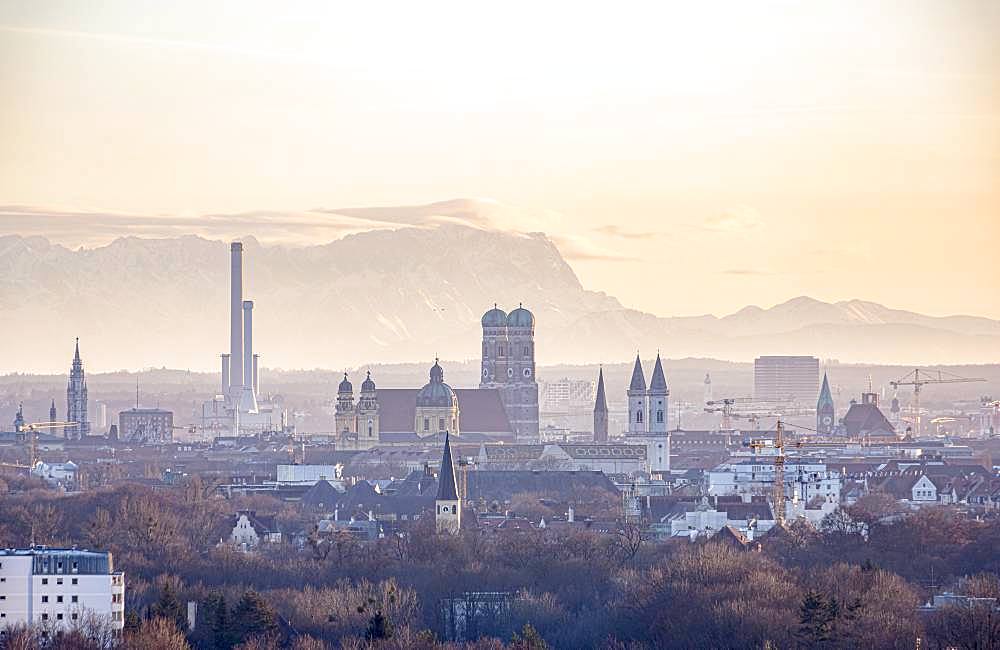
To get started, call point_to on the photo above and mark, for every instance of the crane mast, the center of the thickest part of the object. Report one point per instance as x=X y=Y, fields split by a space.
x=920 y=378
x=779 y=476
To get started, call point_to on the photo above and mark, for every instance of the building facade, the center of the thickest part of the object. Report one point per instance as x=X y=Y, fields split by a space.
x=146 y=425
x=793 y=378
x=508 y=365
x=648 y=409
x=56 y=589
x=76 y=399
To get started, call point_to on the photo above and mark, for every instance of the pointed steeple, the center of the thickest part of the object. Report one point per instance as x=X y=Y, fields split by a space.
x=658 y=383
x=446 y=479
x=825 y=397
x=76 y=357
x=52 y=412
x=638 y=382
x=601 y=402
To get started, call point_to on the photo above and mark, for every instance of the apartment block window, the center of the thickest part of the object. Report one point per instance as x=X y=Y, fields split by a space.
x=45 y=599
x=75 y=581
x=59 y=581
x=59 y=617
x=59 y=599
x=75 y=599
x=75 y=616
x=45 y=581
x=45 y=617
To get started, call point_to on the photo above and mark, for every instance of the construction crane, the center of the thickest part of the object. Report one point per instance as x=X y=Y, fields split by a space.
x=725 y=406
x=779 y=475
x=920 y=378
x=31 y=431
x=746 y=410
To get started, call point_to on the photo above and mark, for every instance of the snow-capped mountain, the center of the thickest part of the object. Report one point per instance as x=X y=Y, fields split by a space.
x=402 y=294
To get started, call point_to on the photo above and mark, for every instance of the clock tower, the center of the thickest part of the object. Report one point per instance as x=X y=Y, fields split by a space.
x=826 y=413
x=448 y=505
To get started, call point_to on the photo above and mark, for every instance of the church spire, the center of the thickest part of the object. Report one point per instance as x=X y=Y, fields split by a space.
x=658 y=383
x=601 y=402
x=825 y=397
x=446 y=485
x=638 y=382
x=601 y=411
x=448 y=505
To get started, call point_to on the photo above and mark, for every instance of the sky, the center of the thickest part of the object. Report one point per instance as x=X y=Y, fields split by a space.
x=686 y=158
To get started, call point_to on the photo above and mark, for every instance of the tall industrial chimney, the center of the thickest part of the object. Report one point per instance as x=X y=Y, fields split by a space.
x=225 y=374
x=248 y=343
x=256 y=377
x=236 y=320
x=248 y=399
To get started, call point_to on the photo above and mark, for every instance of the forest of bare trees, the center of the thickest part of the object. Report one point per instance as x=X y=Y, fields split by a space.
x=855 y=582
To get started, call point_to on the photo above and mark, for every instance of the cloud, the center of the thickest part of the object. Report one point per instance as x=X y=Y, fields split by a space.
x=612 y=230
x=95 y=228
x=576 y=248
x=739 y=219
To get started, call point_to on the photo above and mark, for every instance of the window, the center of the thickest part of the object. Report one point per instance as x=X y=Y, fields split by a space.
x=45 y=581
x=75 y=616
x=427 y=424
x=59 y=581
x=659 y=417
x=45 y=617
x=45 y=599
x=59 y=599
x=75 y=599
x=75 y=581
x=59 y=617
x=638 y=417
x=440 y=424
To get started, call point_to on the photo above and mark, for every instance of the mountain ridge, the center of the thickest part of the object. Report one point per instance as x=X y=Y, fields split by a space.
x=405 y=294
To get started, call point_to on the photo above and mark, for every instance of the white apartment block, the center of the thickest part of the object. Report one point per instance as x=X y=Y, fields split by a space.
x=805 y=479
x=59 y=588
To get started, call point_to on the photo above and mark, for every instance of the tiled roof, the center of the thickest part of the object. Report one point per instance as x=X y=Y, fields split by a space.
x=480 y=411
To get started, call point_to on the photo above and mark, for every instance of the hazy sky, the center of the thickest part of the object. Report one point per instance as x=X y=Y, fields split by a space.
x=687 y=157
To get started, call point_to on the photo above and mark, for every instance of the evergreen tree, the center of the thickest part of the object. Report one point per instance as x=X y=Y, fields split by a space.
x=253 y=616
x=219 y=621
x=170 y=607
x=816 y=617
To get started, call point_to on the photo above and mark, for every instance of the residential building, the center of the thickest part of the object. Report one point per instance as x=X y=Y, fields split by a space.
x=249 y=530
x=146 y=425
x=57 y=588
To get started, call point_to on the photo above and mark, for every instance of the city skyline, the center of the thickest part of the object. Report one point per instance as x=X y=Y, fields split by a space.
x=756 y=149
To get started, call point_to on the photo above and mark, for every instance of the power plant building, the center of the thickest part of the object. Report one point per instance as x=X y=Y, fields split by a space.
x=239 y=408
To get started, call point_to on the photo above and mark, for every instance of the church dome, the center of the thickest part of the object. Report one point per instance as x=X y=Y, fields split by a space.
x=495 y=318
x=345 y=386
x=436 y=393
x=368 y=386
x=520 y=317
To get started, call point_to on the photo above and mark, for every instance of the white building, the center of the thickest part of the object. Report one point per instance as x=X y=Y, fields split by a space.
x=249 y=530
x=808 y=482
x=61 y=474
x=58 y=588
x=311 y=474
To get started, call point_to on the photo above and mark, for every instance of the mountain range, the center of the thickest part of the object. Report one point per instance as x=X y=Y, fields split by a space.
x=405 y=293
